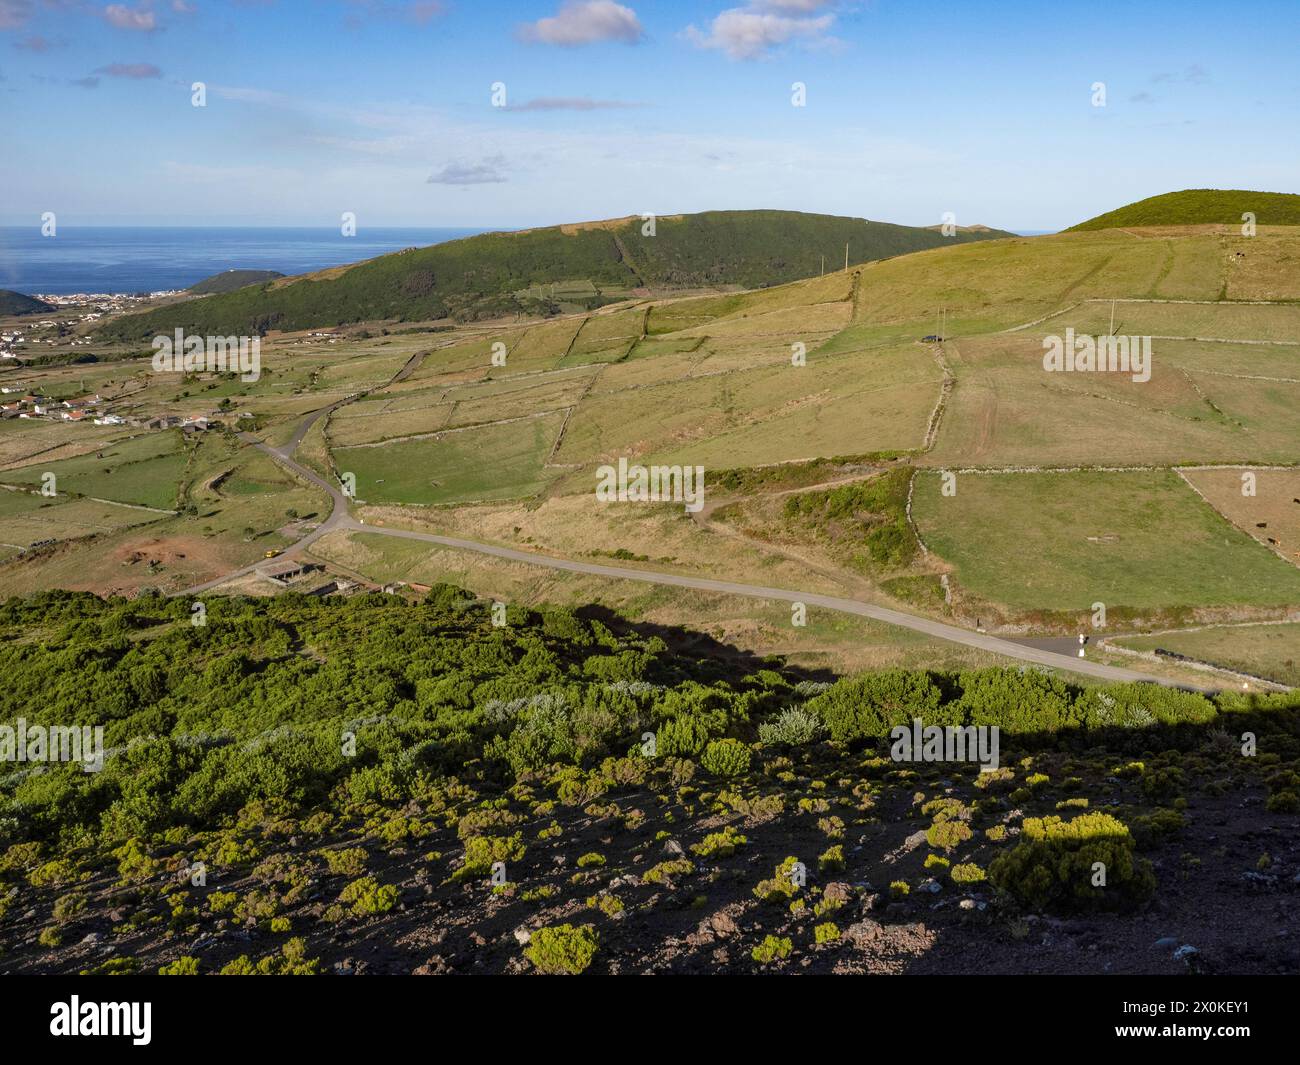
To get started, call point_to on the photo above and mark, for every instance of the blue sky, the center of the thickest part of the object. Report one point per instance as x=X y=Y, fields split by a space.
x=383 y=108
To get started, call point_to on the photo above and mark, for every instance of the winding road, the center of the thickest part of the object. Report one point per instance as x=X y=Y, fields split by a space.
x=341 y=520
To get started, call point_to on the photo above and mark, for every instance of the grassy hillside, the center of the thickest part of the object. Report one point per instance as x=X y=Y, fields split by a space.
x=1193 y=207
x=231 y=280
x=16 y=303
x=545 y=271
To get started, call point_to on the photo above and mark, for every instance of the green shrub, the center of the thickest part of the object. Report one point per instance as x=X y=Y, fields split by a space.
x=1053 y=865
x=291 y=961
x=967 y=873
x=1160 y=785
x=562 y=950
x=719 y=844
x=114 y=967
x=1283 y=802
x=826 y=933
x=725 y=758
x=183 y=966
x=682 y=736
x=222 y=901
x=665 y=871
x=793 y=727
x=773 y=948
x=1149 y=830
x=592 y=859
x=482 y=852
x=133 y=862
x=868 y=706
x=53 y=874
x=609 y=905
x=947 y=835
x=69 y=906
x=781 y=886
x=367 y=896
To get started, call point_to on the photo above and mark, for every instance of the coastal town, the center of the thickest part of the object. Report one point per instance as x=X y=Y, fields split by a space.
x=67 y=317
x=16 y=402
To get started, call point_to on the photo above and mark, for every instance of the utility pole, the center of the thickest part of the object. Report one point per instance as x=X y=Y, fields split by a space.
x=823 y=273
x=846 y=255
x=1112 y=318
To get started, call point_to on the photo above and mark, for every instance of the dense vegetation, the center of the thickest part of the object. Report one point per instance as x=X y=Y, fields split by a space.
x=16 y=303
x=1201 y=207
x=492 y=274
x=303 y=749
x=230 y=280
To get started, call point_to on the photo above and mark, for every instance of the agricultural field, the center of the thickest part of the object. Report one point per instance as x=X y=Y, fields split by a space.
x=1263 y=503
x=23 y=441
x=145 y=470
x=496 y=461
x=232 y=505
x=1063 y=541
x=500 y=426
x=1260 y=650
x=1203 y=403
x=27 y=518
x=494 y=428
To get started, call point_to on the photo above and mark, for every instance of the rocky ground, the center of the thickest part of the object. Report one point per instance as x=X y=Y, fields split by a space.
x=644 y=869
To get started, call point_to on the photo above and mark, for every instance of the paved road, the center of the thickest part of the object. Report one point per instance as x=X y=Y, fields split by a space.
x=339 y=517
x=340 y=520
x=1023 y=652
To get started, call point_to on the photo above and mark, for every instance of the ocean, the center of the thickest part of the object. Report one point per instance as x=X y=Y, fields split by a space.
x=150 y=259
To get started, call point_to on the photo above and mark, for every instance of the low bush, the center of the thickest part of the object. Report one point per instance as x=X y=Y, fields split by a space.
x=562 y=950
x=1086 y=863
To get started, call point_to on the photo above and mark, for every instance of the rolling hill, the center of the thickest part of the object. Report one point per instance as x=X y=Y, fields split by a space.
x=549 y=271
x=16 y=303
x=1201 y=207
x=231 y=280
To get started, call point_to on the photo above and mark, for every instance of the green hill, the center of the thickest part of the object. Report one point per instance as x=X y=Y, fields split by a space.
x=1194 y=207
x=231 y=280
x=548 y=271
x=16 y=303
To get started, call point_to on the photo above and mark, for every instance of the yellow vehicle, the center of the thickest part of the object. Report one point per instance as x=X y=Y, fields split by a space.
x=272 y=553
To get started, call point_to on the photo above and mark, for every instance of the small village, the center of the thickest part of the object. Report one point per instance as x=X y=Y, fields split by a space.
x=17 y=402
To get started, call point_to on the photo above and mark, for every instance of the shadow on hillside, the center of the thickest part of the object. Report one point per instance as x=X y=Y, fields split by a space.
x=698 y=655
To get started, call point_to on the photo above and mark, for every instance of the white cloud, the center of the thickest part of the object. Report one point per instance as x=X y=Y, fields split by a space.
x=130 y=18
x=488 y=171
x=791 y=7
x=570 y=103
x=752 y=32
x=37 y=43
x=14 y=13
x=130 y=70
x=586 y=22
